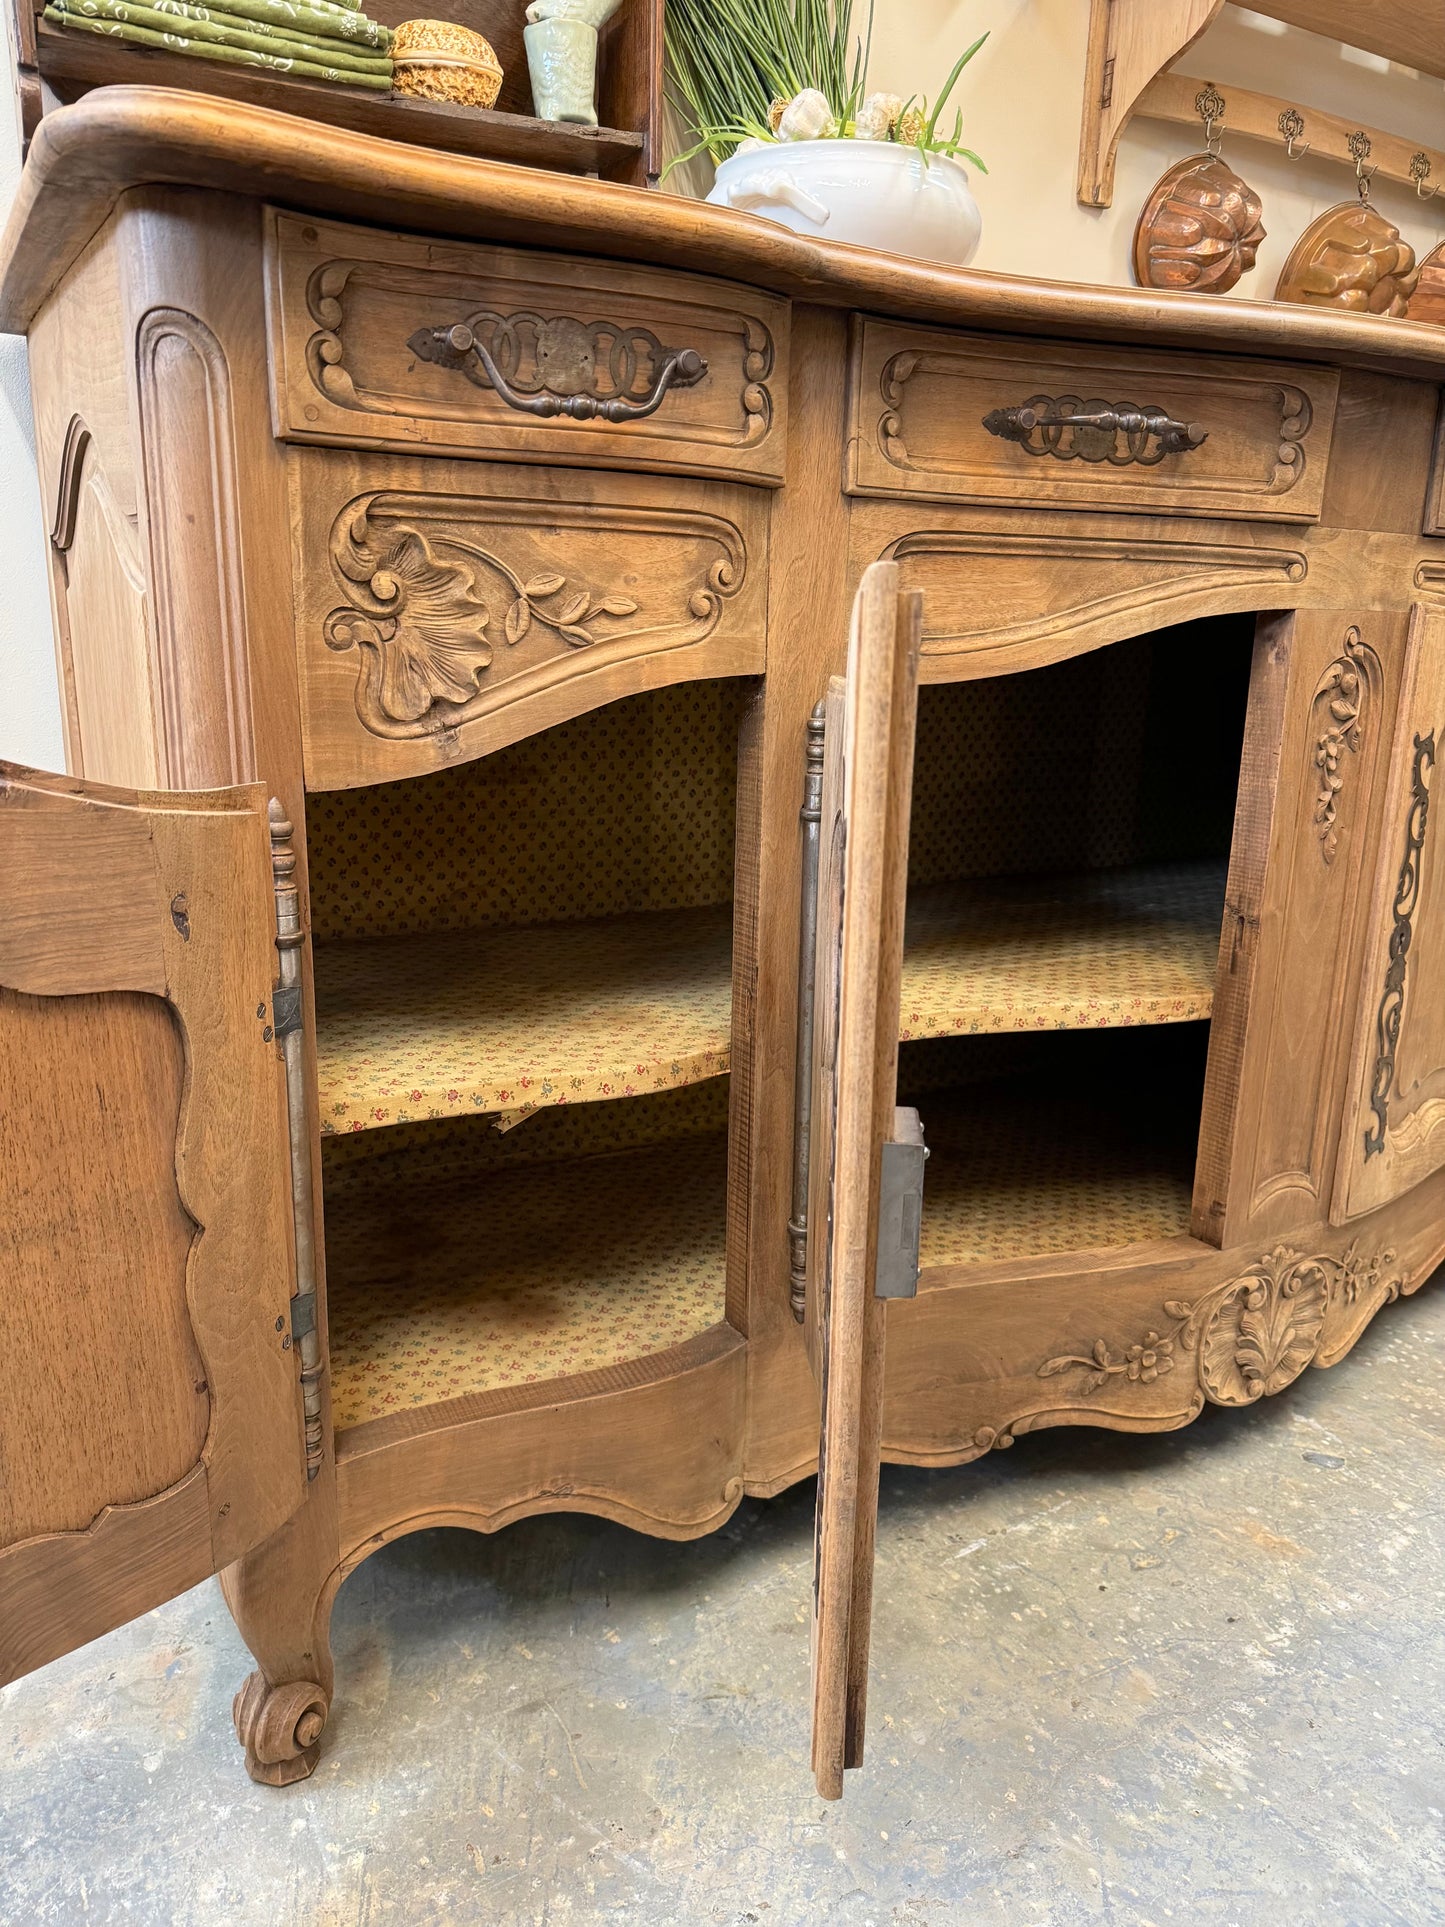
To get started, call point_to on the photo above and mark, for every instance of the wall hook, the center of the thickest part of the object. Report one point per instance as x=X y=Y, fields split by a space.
x=1209 y=105
x=1359 y=144
x=1292 y=125
x=1420 y=173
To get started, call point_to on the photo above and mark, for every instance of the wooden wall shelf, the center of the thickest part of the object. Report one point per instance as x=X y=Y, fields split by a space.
x=71 y=64
x=1256 y=117
x=1133 y=41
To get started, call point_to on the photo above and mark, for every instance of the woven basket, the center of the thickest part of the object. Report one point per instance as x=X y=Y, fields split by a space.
x=436 y=60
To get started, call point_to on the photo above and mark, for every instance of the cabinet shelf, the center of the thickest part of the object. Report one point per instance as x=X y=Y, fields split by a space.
x=1020 y=1170
x=510 y=1020
x=439 y=1291
x=1092 y=950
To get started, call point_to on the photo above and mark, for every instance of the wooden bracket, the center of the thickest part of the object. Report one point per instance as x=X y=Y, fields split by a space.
x=1129 y=42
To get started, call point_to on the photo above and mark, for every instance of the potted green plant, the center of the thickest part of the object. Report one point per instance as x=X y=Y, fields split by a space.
x=779 y=104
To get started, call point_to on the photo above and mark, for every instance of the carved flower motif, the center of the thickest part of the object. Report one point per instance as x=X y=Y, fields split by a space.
x=432 y=626
x=1150 y=1358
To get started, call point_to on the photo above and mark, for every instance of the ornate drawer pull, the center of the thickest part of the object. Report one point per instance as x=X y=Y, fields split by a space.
x=567 y=351
x=1068 y=428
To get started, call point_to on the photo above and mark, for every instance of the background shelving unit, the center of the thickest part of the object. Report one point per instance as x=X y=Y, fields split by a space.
x=55 y=67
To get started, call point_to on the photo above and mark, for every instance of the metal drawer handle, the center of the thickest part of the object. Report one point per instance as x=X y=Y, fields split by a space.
x=1094 y=431
x=570 y=349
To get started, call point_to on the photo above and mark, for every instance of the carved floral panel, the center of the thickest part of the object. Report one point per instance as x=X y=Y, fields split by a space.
x=438 y=612
x=1246 y=1338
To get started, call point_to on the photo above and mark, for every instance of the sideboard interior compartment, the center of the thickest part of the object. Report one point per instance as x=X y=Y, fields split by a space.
x=534 y=951
x=464 y=1263
x=1064 y=1141
x=1067 y=873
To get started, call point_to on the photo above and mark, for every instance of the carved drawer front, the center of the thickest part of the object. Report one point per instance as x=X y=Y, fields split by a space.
x=966 y=418
x=387 y=340
x=446 y=609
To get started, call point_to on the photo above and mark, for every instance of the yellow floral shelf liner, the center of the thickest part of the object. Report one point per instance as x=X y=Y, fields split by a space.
x=1021 y=1172
x=507 y=1020
x=539 y=1273
x=503 y=1022
x=1103 y=949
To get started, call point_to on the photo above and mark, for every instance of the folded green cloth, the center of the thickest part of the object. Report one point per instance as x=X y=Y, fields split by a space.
x=307 y=59
x=306 y=19
x=219 y=25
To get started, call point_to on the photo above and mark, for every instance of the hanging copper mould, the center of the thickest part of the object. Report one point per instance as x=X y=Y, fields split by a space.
x=1351 y=256
x=1427 y=303
x=1200 y=228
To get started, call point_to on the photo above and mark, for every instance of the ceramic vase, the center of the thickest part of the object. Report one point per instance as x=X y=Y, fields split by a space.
x=561 y=41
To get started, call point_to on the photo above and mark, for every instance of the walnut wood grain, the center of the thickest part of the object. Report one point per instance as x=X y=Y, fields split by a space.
x=1393 y=1134
x=923 y=402
x=867 y=789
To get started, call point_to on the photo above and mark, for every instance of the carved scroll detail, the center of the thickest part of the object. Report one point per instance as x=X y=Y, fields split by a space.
x=1344 y=690
x=537 y=354
x=428 y=604
x=1133 y=435
x=1250 y=1336
x=1391 y=1012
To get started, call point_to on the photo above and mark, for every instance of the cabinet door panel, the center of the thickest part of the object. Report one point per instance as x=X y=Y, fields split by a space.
x=1317 y=743
x=1394 y=1133
x=867 y=783
x=150 y=1427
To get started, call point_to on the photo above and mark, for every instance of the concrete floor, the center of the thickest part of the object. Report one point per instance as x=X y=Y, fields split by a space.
x=1194 y=1678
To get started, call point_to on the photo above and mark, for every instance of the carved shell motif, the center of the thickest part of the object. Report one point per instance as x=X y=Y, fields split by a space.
x=426 y=576
x=1200 y=228
x=427 y=633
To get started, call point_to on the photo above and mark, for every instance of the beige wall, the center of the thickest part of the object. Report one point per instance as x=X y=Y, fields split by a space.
x=1022 y=96
x=1021 y=100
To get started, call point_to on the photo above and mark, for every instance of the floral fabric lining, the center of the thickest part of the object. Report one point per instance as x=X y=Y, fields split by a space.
x=538 y=1272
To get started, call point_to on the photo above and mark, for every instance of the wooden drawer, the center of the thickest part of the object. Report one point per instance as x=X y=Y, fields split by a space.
x=346 y=303
x=445 y=609
x=920 y=398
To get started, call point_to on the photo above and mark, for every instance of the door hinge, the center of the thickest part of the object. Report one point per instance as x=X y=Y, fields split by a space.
x=286 y=1009
x=811 y=818
x=900 y=1207
x=286 y=1016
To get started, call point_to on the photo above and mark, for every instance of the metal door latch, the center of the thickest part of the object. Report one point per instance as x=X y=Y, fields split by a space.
x=900 y=1207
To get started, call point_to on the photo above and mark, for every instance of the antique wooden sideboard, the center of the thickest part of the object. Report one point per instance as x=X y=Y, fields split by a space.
x=401 y=1016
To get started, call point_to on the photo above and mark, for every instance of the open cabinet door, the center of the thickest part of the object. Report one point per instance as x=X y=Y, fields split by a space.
x=1394 y=1131
x=863 y=865
x=150 y=1410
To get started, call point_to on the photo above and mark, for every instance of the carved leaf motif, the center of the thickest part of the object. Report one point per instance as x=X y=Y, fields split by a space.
x=544 y=585
x=576 y=610
x=1263 y=1332
x=437 y=650
x=617 y=605
x=575 y=635
x=518 y=620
